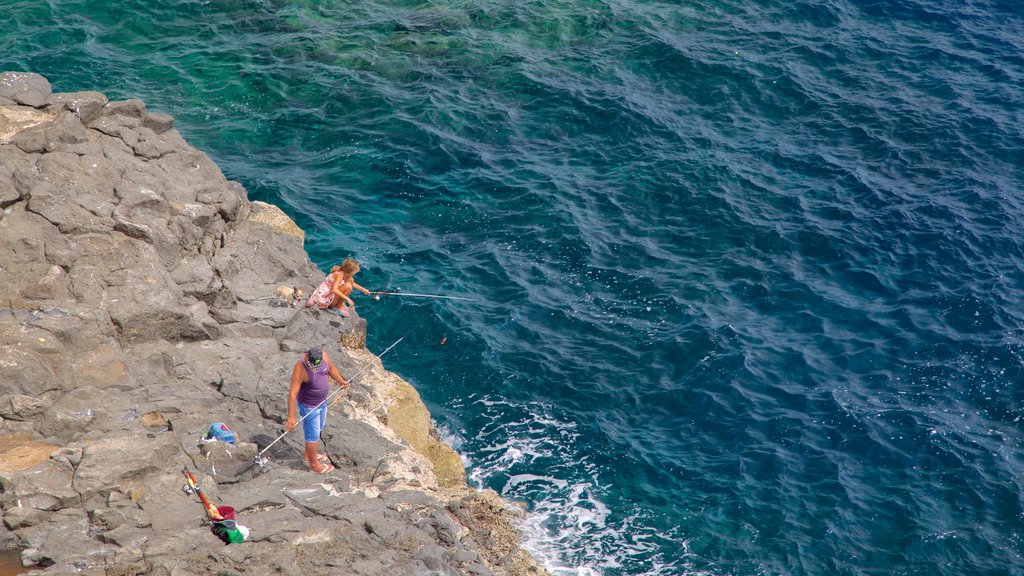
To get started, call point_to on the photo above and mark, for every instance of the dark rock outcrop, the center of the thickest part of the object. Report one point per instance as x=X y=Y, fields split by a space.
x=136 y=311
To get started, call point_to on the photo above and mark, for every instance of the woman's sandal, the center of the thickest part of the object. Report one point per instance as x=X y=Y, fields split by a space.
x=322 y=458
x=327 y=468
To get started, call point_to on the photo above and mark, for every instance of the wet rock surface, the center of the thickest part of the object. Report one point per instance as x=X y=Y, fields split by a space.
x=137 y=310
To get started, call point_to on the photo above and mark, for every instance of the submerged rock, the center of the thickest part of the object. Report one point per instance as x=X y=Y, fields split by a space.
x=137 y=311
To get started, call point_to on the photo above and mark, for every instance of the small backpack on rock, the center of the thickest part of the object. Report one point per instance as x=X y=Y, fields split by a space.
x=220 y=431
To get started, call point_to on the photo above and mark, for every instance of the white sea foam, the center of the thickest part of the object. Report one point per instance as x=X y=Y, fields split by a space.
x=570 y=528
x=449 y=436
x=456 y=442
x=522 y=478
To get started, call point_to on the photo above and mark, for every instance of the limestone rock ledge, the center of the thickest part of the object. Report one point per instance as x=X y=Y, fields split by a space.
x=137 y=310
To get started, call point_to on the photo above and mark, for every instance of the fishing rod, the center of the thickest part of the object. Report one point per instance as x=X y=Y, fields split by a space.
x=192 y=486
x=377 y=295
x=261 y=460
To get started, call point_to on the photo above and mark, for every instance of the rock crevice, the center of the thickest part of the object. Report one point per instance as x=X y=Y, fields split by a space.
x=137 y=311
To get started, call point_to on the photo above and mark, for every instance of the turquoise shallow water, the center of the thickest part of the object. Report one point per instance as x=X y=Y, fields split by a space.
x=747 y=276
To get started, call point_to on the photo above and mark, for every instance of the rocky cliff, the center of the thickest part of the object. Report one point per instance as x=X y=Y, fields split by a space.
x=136 y=310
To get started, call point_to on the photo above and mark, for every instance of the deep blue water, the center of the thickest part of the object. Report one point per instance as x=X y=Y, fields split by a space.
x=747 y=275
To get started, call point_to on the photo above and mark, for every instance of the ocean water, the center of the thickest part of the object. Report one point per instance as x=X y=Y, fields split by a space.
x=746 y=277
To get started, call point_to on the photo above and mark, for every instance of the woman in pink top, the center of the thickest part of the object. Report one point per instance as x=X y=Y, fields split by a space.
x=333 y=293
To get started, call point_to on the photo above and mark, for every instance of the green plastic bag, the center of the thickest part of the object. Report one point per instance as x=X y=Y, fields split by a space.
x=230 y=532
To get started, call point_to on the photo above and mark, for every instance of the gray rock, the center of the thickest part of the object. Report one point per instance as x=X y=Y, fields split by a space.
x=158 y=122
x=194 y=274
x=49 y=285
x=199 y=313
x=261 y=313
x=463 y=556
x=123 y=537
x=31 y=141
x=229 y=200
x=21 y=407
x=126 y=109
x=479 y=570
x=19 y=517
x=432 y=557
x=25 y=88
x=25 y=170
x=106 y=518
x=412 y=499
x=447 y=529
x=46 y=488
x=347 y=331
x=358 y=443
x=154 y=145
x=86 y=105
x=9 y=157
x=25 y=372
x=63 y=538
x=66 y=129
x=62 y=207
x=107 y=463
x=71 y=455
x=256 y=259
x=113 y=127
x=149 y=301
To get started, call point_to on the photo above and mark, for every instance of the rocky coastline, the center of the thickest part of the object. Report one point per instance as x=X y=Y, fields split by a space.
x=137 y=310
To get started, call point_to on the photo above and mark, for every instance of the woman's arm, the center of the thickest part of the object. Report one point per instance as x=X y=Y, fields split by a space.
x=360 y=288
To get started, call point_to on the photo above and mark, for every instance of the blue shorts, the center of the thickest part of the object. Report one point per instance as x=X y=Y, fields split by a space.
x=312 y=425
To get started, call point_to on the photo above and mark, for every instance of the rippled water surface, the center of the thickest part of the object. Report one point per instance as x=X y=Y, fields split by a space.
x=747 y=276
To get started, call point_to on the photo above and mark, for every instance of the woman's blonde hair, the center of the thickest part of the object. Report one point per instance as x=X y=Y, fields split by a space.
x=349 y=266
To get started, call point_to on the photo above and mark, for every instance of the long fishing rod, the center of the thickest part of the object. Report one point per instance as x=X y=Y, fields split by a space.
x=261 y=461
x=377 y=295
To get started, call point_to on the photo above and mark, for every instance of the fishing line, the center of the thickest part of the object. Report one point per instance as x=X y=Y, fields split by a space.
x=377 y=296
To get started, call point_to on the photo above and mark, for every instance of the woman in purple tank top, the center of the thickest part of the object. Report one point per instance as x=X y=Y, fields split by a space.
x=308 y=393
